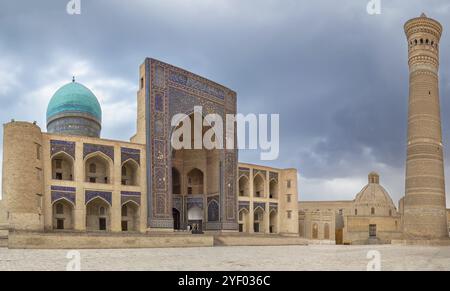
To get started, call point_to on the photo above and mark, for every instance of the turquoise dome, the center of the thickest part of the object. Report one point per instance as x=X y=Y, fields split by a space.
x=74 y=98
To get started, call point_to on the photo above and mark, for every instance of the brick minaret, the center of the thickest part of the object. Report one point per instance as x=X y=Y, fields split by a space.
x=424 y=210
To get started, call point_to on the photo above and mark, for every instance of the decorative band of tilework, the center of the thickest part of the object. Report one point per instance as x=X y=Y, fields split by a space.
x=259 y=204
x=92 y=148
x=57 y=146
x=62 y=188
x=262 y=172
x=90 y=195
x=134 y=154
x=69 y=196
x=128 y=193
x=194 y=201
x=244 y=205
x=196 y=84
x=273 y=206
x=273 y=176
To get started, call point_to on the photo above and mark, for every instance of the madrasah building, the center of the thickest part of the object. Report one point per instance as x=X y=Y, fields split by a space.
x=68 y=184
x=69 y=179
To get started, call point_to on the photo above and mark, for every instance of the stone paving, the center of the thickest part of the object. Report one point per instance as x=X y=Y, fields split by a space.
x=319 y=257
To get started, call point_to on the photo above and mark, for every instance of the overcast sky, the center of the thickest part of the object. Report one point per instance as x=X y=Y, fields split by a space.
x=337 y=76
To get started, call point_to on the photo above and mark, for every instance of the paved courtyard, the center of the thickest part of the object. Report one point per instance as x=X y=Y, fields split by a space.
x=234 y=258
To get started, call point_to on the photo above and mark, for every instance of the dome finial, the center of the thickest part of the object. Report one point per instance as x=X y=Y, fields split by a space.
x=423 y=15
x=73 y=79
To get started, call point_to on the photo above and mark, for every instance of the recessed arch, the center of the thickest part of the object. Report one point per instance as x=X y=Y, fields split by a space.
x=273 y=221
x=130 y=173
x=244 y=220
x=258 y=219
x=97 y=168
x=63 y=214
x=195 y=181
x=130 y=201
x=244 y=186
x=98 y=214
x=130 y=216
x=62 y=166
x=98 y=197
x=65 y=199
x=273 y=189
x=259 y=185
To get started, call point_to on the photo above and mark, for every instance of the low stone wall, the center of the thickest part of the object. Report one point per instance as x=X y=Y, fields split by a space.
x=34 y=240
x=257 y=240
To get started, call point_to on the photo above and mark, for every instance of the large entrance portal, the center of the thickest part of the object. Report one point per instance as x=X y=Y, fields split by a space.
x=196 y=180
x=172 y=97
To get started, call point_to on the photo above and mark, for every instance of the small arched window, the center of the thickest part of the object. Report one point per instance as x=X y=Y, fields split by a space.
x=92 y=168
x=427 y=41
x=390 y=212
x=372 y=211
x=415 y=41
x=102 y=211
x=356 y=211
x=421 y=41
x=124 y=171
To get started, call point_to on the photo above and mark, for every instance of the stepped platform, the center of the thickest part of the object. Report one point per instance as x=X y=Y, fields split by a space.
x=100 y=240
x=88 y=240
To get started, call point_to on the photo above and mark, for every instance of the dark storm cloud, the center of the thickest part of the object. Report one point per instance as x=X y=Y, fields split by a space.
x=337 y=76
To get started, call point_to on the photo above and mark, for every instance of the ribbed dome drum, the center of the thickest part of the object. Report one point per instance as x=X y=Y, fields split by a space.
x=74 y=110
